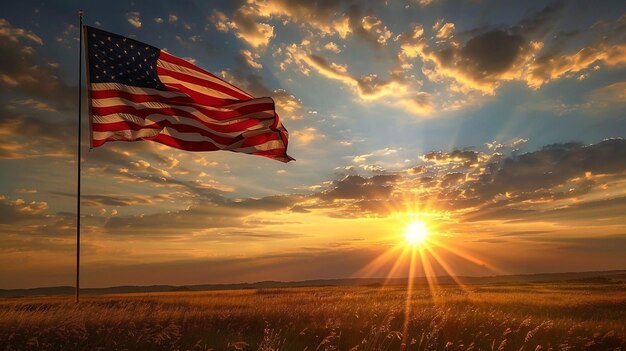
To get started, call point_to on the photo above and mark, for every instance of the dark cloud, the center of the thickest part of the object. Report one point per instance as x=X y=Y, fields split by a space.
x=22 y=73
x=490 y=54
x=357 y=187
x=462 y=157
x=487 y=54
x=554 y=165
x=19 y=210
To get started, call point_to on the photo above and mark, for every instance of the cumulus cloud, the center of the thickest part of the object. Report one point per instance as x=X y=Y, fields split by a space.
x=332 y=47
x=16 y=34
x=396 y=89
x=483 y=58
x=556 y=65
x=21 y=70
x=307 y=135
x=243 y=23
x=374 y=28
x=250 y=58
x=446 y=31
x=133 y=19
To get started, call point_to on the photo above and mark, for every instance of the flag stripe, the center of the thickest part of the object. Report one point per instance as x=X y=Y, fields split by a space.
x=217 y=83
x=258 y=111
x=164 y=56
x=105 y=90
x=256 y=143
x=102 y=123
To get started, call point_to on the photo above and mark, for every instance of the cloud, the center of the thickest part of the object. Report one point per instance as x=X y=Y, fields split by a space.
x=553 y=66
x=133 y=19
x=249 y=58
x=374 y=28
x=607 y=95
x=446 y=31
x=16 y=34
x=321 y=16
x=332 y=47
x=219 y=212
x=357 y=187
x=25 y=135
x=257 y=35
x=20 y=210
x=21 y=70
x=398 y=90
x=461 y=157
x=307 y=135
x=483 y=62
x=482 y=59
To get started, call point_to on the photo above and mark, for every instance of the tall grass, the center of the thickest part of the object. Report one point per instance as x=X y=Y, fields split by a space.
x=498 y=317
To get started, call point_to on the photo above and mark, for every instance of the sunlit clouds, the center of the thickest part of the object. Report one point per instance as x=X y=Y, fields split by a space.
x=476 y=139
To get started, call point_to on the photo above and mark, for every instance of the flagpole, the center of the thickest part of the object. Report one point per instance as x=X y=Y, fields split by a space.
x=80 y=96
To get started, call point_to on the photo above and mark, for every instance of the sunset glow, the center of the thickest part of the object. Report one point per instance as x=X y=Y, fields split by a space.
x=431 y=138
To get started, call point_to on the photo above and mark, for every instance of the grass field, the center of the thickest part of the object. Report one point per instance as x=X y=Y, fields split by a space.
x=563 y=316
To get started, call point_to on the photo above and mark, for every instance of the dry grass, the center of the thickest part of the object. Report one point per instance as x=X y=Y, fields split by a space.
x=497 y=317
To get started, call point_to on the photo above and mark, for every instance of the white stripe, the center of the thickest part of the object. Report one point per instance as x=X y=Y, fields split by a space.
x=158 y=118
x=117 y=101
x=182 y=69
x=190 y=137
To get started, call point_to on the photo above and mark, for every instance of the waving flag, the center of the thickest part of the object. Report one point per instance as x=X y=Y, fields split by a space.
x=139 y=92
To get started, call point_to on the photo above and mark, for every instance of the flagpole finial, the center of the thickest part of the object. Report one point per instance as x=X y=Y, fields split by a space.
x=80 y=13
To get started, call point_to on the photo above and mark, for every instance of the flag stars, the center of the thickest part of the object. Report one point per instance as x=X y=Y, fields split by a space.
x=126 y=61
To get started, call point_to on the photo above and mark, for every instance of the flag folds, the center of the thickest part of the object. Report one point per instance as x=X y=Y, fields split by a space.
x=139 y=92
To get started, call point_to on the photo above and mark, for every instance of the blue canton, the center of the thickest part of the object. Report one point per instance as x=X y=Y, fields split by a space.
x=117 y=59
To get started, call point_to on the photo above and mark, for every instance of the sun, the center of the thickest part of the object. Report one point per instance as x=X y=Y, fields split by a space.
x=416 y=232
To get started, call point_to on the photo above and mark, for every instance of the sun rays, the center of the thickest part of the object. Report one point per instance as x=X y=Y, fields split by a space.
x=424 y=247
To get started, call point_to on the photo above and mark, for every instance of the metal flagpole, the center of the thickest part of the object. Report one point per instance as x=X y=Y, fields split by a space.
x=80 y=96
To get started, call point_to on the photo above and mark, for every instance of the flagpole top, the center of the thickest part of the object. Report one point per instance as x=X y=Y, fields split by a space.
x=80 y=13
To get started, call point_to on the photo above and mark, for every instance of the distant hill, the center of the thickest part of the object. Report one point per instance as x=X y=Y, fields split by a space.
x=599 y=277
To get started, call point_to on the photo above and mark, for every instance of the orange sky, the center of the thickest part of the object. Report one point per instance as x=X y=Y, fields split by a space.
x=499 y=126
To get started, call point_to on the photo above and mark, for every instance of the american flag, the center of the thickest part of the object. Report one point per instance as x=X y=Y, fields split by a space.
x=139 y=92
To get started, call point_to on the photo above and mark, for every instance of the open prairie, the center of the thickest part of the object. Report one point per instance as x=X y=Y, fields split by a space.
x=538 y=316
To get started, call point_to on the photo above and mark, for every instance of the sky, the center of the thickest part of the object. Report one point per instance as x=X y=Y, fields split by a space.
x=499 y=125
